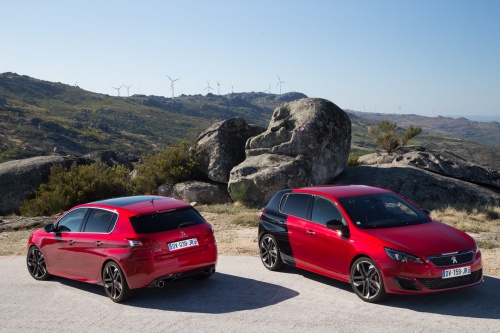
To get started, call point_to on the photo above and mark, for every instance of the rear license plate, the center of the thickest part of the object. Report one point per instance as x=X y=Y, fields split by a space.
x=183 y=244
x=454 y=272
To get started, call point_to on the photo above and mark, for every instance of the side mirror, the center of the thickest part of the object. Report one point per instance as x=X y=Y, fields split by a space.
x=334 y=224
x=49 y=228
x=338 y=225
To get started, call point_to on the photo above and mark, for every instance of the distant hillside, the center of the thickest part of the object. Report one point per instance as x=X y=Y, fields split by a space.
x=487 y=133
x=40 y=118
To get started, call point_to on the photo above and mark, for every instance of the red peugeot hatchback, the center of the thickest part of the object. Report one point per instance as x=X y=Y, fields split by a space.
x=373 y=238
x=125 y=244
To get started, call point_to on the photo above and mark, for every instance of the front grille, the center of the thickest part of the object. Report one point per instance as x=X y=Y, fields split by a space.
x=446 y=260
x=439 y=283
x=406 y=284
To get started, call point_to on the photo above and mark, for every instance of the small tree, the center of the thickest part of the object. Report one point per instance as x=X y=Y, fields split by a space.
x=385 y=135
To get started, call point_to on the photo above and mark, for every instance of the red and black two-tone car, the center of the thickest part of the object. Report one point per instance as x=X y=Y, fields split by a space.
x=371 y=237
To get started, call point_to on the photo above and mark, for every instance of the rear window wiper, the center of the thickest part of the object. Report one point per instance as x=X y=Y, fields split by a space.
x=185 y=224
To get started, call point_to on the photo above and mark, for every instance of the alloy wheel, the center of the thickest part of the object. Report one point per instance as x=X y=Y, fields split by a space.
x=114 y=282
x=36 y=264
x=269 y=253
x=366 y=280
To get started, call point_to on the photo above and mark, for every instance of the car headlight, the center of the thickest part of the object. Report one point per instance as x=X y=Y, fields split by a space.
x=402 y=256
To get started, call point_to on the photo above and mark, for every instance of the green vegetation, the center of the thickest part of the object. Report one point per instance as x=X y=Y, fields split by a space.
x=176 y=164
x=86 y=183
x=386 y=138
x=352 y=160
x=79 y=184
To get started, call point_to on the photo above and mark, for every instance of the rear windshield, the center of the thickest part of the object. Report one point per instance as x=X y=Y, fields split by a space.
x=159 y=222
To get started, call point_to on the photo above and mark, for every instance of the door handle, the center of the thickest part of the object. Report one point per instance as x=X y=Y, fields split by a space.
x=98 y=243
x=71 y=242
x=310 y=232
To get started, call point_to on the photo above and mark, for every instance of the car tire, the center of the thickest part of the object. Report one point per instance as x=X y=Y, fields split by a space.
x=366 y=280
x=36 y=264
x=115 y=283
x=270 y=253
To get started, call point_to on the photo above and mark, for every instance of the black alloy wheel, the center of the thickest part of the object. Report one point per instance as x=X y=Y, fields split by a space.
x=269 y=253
x=366 y=280
x=36 y=264
x=115 y=285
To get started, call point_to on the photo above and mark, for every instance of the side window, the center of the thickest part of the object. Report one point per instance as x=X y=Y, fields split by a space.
x=99 y=221
x=72 y=221
x=296 y=205
x=324 y=210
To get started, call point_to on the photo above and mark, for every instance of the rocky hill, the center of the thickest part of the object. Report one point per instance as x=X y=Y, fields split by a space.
x=40 y=118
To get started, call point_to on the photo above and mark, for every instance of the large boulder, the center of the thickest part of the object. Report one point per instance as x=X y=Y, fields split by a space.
x=439 y=162
x=20 y=179
x=200 y=192
x=307 y=143
x=419 y=185
x=222 y=146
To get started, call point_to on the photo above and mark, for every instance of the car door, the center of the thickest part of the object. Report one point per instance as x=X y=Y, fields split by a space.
x=326 y=249
x=59 y=245
x=91 y=243
x=296 y=207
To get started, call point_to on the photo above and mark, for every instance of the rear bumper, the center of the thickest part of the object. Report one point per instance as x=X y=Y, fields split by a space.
x=142 y=272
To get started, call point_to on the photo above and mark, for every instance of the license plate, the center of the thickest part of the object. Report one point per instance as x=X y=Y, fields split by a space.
x=183 y=244
x=454 y=272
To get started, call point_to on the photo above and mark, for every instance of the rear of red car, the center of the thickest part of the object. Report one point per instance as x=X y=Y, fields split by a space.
x=163 y=246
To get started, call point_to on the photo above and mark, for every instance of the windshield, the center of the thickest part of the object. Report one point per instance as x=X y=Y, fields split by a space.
x=159 y=222
x=381 y=211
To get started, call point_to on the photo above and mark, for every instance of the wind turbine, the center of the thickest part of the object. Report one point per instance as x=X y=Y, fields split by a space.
x=268 y=90
x=218 y=87
x=118 y=89
x=128 y=87
x=232 y=87
x=279 y=83
x=172 y=84
x=208 y=87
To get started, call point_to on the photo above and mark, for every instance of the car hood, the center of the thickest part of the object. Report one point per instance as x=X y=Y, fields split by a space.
x=423 y=239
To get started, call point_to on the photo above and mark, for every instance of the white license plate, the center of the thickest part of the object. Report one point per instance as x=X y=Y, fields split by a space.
x=183 y=244
x=454 y=272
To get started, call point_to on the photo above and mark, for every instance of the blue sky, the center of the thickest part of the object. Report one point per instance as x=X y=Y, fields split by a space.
x=439 y=57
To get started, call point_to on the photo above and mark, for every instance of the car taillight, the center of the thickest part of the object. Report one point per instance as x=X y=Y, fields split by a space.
x=261 y=213
x=209 y=232
x=141 y=243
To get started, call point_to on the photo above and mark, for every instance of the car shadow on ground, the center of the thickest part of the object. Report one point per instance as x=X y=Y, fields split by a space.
x=221 y=293
x=481 y=301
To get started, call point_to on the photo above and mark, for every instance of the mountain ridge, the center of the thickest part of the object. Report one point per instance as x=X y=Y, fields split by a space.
x=40 y=117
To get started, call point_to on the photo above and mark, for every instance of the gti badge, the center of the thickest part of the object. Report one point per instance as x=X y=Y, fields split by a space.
x=184 y=234
x=454 y=260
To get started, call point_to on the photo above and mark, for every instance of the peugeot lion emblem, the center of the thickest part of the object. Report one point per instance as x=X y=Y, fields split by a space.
x=454 y=260
x=184 y=234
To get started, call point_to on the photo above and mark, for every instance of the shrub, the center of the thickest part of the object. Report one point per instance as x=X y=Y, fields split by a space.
x=80 y=184
x=174 y=165
x=352 y=160
x=385 y=135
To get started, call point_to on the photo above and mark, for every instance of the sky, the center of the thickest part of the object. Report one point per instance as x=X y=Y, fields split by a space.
x=426 y=57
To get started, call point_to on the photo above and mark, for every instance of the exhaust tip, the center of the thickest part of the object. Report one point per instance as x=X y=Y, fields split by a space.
x=212 y=270
x=160 y=284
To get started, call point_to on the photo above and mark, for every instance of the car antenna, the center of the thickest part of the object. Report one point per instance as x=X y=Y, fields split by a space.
x=153 y=201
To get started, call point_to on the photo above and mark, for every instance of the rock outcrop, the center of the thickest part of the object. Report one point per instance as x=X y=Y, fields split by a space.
x=19 y=179
x=419 y=185
x=439 y=162
x=201 y=192
x=222 y=146
x=307 y=143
